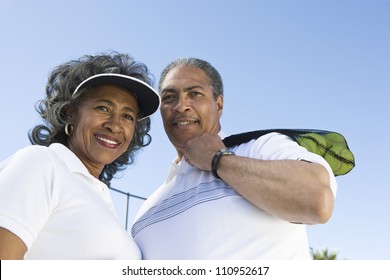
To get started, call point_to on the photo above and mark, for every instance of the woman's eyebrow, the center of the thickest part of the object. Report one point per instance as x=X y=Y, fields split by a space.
x=113 y=104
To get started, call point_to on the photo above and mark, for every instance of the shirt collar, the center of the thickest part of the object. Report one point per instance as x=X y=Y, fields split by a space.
x=182 y=166
x=70 y=159
x=174 y=162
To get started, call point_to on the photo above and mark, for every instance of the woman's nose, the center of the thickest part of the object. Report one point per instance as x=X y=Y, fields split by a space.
x=113 y=124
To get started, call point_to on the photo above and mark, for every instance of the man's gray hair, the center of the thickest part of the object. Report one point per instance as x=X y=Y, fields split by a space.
x=207 y=68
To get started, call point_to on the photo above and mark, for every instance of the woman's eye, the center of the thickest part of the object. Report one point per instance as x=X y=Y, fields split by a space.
x=102 y=108
x=129 y=117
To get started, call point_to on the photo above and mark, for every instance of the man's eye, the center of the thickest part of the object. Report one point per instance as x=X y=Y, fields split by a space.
x=168 y=98
x=195 y=93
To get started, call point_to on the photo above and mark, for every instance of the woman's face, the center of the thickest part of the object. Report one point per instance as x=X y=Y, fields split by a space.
x=103 y=126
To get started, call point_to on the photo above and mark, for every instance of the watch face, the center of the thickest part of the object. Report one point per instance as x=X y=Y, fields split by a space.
x=226 y=152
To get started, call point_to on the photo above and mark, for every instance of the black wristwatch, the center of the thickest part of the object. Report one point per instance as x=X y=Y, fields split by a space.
x=214 y=163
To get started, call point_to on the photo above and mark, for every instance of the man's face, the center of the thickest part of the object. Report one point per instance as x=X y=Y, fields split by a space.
x=188 y=107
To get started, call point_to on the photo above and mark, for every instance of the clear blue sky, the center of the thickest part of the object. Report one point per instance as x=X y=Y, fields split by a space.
x=286 y=64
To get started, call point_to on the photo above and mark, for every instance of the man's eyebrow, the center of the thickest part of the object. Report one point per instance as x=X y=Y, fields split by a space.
x=169 y=89
x=174 y=89
x=194 y=87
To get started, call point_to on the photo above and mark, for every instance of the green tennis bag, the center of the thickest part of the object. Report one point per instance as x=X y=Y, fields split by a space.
x=332 y=146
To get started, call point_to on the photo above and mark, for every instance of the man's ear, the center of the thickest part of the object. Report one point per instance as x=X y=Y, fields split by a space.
x=220 y=104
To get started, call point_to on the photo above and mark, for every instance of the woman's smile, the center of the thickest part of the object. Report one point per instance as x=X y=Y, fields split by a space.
x=107 y=141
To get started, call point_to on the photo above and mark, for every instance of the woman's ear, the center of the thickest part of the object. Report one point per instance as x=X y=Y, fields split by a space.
x=69 y=113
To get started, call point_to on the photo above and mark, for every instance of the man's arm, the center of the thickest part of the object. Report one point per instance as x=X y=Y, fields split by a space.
x=293 y=190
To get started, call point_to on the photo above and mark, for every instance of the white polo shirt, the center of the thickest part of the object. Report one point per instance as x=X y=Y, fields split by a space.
x=193 y=215
x=60 y=211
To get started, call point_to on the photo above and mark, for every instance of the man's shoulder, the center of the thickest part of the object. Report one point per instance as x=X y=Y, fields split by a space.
x=268 y=139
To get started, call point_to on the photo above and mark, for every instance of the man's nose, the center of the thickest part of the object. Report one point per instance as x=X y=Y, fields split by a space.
x=182 y=104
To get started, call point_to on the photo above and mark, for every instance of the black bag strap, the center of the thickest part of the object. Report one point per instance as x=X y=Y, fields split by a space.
x=332 y=146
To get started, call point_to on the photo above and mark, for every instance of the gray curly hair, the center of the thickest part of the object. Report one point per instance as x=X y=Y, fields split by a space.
x=61 y=84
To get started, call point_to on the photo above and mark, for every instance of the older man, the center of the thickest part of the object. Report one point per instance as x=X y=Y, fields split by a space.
x=250 y=201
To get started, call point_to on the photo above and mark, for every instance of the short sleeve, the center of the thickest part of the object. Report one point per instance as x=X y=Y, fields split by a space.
x=26 y=193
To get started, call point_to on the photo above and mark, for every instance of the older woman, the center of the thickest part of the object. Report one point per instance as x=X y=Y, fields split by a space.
x=54 y=199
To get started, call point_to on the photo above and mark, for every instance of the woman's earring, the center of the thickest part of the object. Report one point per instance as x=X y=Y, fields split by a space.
x=68 y=129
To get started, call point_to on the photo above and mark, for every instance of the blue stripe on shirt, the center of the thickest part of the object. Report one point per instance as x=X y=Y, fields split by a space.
x=183 y=201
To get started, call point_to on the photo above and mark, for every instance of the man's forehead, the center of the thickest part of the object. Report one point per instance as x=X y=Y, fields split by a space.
x=185 y=77
x=185 y=88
